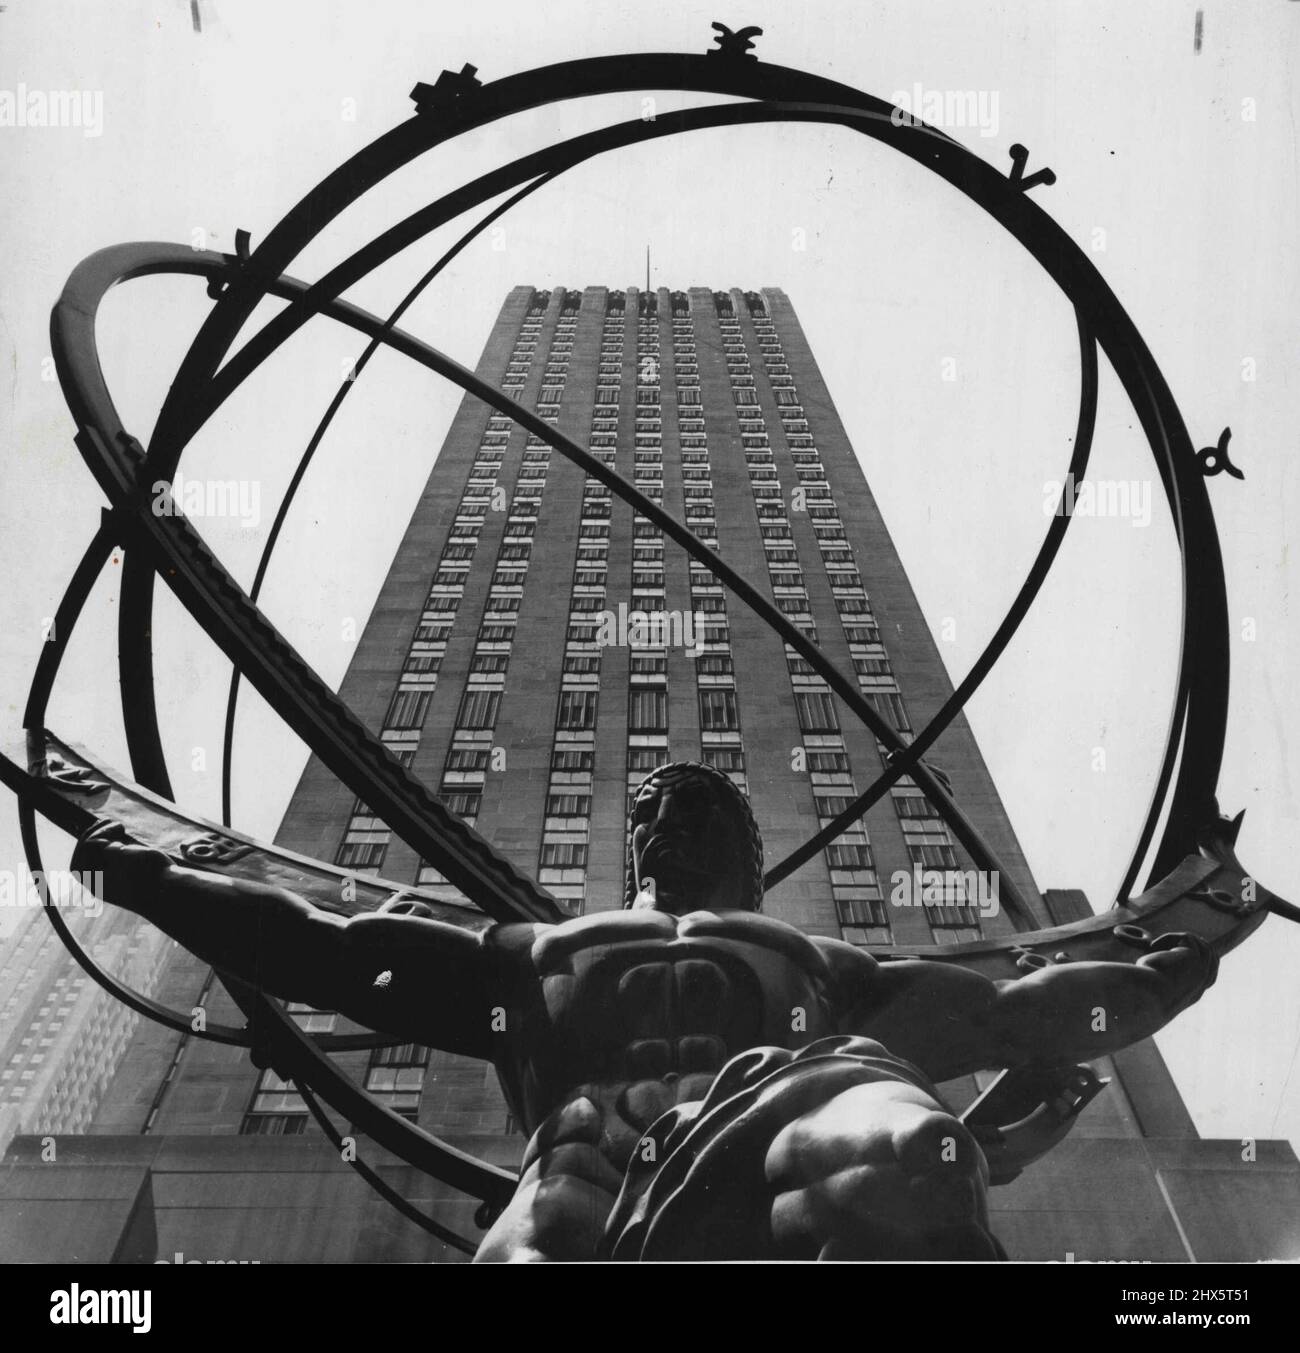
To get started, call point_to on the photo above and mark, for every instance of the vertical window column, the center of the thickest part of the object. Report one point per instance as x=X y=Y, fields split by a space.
x=715 y=679
x=562 y=862
x=469 y=755
x=929 y=844
x=647 y=699
x=854 y=884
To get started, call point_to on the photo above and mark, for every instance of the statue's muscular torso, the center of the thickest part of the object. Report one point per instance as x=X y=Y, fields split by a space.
x=612 y=1019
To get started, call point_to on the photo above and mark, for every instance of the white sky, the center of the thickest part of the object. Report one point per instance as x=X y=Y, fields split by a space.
x=228 y=128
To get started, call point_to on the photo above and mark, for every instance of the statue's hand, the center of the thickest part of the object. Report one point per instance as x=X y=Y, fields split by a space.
x=1186 y=961
x=131 y=871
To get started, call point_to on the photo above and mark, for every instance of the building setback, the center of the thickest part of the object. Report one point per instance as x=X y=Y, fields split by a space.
x=486 y=666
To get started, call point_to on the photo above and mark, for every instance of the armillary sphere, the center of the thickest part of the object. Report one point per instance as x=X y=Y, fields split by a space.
x=1196 y=883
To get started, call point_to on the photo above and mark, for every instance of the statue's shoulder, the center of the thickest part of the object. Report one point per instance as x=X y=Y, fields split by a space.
x=513 y=940
x=847 y=962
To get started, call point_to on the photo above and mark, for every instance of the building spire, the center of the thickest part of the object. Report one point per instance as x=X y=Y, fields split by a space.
x=647 y=268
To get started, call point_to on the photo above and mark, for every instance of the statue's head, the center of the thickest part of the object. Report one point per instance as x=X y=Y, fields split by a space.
x=693 y=832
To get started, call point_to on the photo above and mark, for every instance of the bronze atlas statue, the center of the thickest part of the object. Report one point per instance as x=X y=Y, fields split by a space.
x=698 y=1081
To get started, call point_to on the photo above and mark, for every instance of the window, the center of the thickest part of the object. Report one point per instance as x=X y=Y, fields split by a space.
x=730 y=759
x=859 y=911
x=572 y=759
x=647 y=711
x=714 y=664
x=840 y=856
x=932 y=856
x=467 y=758
x=360 y=855
x=831 y=805
x=577 y=710
x=718 y=711
x=642 y=760
x=274 y=1124
x=568 y=805
x=816 y=712
x=889 y=705
x=489 y=662
x=403 y=1054
x=273 y=1095
x=464 y=803
x=478 y=709
x=957 y=922
x=564 y=855
x=396 y=1077
x=828 y=762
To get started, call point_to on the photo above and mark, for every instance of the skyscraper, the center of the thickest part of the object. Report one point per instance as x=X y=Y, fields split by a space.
x=61 y=1037
x=535 y=650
